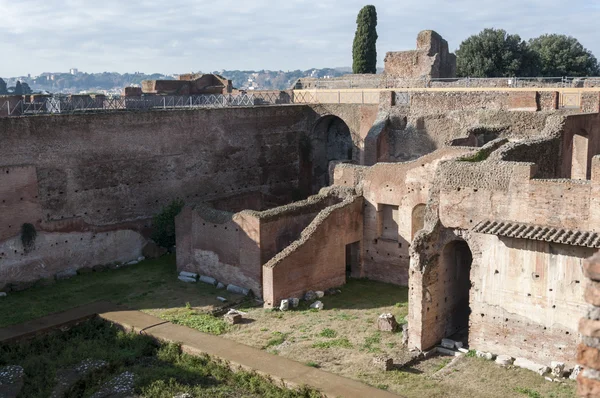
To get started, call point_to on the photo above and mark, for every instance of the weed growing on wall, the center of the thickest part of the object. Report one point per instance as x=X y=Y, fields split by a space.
x=28 y=235
x=163 y=224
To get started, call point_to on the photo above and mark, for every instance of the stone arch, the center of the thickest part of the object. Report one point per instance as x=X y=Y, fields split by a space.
x=417 y=219
x=580 y=158
x=329 y=143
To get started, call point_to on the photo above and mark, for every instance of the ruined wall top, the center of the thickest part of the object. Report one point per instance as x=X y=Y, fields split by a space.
x=431 y=59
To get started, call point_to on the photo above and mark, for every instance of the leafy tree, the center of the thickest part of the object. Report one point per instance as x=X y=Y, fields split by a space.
x=364 y=48
x=495 y=53
x=18 y=89
x=3 y=88
x=561 y=55
x=25 y=88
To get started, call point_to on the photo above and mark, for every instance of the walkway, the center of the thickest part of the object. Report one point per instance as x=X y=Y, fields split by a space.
x=291 y=373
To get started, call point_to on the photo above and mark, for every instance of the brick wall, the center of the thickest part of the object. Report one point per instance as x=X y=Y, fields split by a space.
x=588 y=353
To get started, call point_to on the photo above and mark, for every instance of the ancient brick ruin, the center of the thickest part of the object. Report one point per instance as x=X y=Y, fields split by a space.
x=483 y=202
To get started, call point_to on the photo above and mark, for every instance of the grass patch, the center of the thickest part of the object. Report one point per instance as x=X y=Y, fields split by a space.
x=528 y=392
x=329 y=333
x=372 y=342
x=471 y=354
x=477 y=157
x=277 y=339
x=313 y=364
x=161 y=370
x=192 y=319
x=337 y=343
x=129 y=285
x=442 y=364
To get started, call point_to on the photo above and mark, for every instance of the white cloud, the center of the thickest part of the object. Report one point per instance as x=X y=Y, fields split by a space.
x=177 y=35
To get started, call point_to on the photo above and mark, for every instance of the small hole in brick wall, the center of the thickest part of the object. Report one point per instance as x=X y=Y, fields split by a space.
x=528 y=294
x=471 y=221
x=10 y=226
x=3 y=201
x=482 y=315
x=458 y=189
x=400 y=245
x=545 y=328
x=375 y=241
x=553 y=306
x=566 y=332
x=550 y=289
x=576 y=281
x=506 y=320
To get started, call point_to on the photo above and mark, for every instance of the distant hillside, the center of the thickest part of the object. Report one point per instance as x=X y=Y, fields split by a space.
x=113 y=83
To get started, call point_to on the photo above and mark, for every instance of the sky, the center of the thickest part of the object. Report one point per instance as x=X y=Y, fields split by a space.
x=178 y=36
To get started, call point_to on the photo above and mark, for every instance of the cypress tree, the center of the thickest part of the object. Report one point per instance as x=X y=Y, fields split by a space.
x=364 y=48
x=18 y=88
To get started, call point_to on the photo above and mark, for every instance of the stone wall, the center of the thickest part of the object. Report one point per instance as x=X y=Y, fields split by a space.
x=107 y=172
x=317 y=260
x=588 y=352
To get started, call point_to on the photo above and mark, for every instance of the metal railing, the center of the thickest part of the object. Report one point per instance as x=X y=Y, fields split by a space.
x=24 y=106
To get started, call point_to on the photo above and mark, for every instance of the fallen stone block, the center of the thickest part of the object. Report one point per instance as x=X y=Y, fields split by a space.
x=66 y=274
x=188 y=274
x=383 y=363
x=220 y=286
x=320 y=294
x=208 y=280
x=317 y=305
x=310 y=296
x=485 y=355
x=133 y=262
x=294 y=302
x=237 y=290
x=463 y=350
x=387 y=323
x=557 y=368
x=504 y=360
x=285 y=305
x=232 y=319
x=141 y=258
x=447 y=351
x=221 y=299
x=548 y=378
x=187 y=279
x=530 y=365
x=575 y=372
x=448 y=343
x=3 y=294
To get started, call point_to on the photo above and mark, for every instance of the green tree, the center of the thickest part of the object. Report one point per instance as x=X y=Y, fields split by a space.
x=3 y=88
x=561 y=55
x=364 y=48
x=163 y=224
x=25 y=88
x=495 y=53
x=18 y=89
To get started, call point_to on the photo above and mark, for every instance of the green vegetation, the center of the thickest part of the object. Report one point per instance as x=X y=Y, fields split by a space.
x=161 y=370
x=528 y=392
x=150 y=286
x=372 y=342
x=192 y=319
x=442 y=364
x=479 y=156
x=364 y=48
x=329 y=333
x=163 y=224
x=28 y=235
x=312 y=364
x=495 y=53
x=338 y=343
x=3 y=88
x=277 y=339
x=561 y=55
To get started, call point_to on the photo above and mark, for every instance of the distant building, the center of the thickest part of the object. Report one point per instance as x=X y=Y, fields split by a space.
x=73 y=71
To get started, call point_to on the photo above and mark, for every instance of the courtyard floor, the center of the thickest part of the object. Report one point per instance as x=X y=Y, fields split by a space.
x=342 y=339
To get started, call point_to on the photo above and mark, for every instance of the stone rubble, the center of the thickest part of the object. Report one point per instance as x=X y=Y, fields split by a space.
x=220 y=286
x=187 y=279
x=11 y=381
x=285 y=305
x=294 y=302
x=320 y=294
x=208 y=280
x=383 y=363
x=530 y=365
x=3 y=294
x=387 y=323
x=485 y=355
x=317 y=305
x=120 y=386
x=310 y=296
x=67 y=378
x=188 y=274
x=557 y=368
x=504 y=360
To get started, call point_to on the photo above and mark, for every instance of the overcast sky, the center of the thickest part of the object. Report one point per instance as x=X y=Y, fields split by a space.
x=177 y=36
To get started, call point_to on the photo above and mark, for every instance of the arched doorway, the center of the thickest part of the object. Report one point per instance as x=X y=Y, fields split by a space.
x=455 y=270
x=329 y=141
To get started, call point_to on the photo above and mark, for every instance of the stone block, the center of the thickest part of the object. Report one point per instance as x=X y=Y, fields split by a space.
x=320 y=294
x=448 y=343
x=208 y=280
x=485 y=355
x=588 y=386
x=504 y=360
x=317 y=305
x=66 y=274
x=530 y=365
x=232 y=319
x=294 y=302
x=575 y=372
x=588 y=327
x=448 y=351
x=237 y=290
x=187 y=279
x=588 y=356
x=387 y=323
x=557 y=368
x=188 y=274
x=591 y=267
x=3 y=294
x=592 y=293
x=310 y=296
x=220 y=286
x=284 y=305
x=384 y=363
